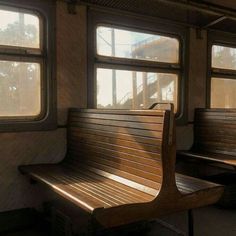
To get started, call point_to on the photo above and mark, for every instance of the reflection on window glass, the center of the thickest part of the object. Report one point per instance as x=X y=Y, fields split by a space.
x=223 y=57
x=19 y=29
x=223 y=93
x=123 y=89
x=20 y=89
x=114 y=42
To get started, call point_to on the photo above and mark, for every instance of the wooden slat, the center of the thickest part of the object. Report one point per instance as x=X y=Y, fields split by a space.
x=120 y=117
x=77 y=154
x=116 y=141
x=110 y=187
x=110 y=148
x=120 y=130
x=127 y=179
x=214 y=136
x=120 y=136
x=153 y=181
x=123 y=124
x=134 y=113
x=123 y=144
x=120 y=167
x=213 y=157
x=188 y=185
x=109 y=182
x=123 y=163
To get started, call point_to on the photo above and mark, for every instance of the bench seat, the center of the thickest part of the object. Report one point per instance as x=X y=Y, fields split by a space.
x=214 y=136
x=211 y=157
x=76 y=185
x=120 y=167
x=103 y=192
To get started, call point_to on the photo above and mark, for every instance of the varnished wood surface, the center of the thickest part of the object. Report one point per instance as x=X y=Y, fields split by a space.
x=120 y=167
x=214 y=136
x=211 y=157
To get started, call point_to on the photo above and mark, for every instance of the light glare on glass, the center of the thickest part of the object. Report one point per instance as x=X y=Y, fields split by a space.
x=20 y=89
x=113 y=42
x=19 y=29
x=124 y=89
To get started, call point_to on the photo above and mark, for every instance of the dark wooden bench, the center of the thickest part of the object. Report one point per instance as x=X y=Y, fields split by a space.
x=214 y=136
x=120 y=167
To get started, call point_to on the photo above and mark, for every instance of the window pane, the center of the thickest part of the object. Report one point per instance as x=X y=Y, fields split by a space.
x=20 y=89
x=114 y=42
x=223 y=93
x=19 y=29
x=123 y=89
x=224 y=57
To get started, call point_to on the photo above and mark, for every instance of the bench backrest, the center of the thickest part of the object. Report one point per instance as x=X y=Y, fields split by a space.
x=215 y=130
x=126 y=146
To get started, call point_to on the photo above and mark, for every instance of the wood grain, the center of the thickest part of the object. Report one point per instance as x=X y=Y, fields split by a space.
x=214 y=136
x=123 y=177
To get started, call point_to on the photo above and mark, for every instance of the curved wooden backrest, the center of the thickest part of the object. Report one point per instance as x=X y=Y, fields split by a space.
x=215 y=130
x=126 y=146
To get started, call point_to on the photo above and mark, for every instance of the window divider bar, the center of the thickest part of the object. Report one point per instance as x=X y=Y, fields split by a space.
x=139 y=65
x=223 y=73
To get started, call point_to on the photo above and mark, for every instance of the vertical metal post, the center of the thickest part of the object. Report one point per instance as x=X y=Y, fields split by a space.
x=145 y=90
x=135 y=102
x=190 y=223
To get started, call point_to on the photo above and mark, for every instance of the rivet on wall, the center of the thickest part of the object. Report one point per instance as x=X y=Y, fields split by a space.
x=199 y=34
x=71 y=6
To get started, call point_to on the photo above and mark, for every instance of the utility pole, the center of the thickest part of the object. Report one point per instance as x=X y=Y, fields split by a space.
x=113 y=48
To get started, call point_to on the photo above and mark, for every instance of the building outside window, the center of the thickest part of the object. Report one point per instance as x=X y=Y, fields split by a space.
x=135 y=63
x=136 y=89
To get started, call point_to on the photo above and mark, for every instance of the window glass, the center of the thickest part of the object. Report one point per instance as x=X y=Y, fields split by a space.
x=223 y=57
x=223 y=93
x=120 y=43
x=19 y=29
x=125 y=89
x=20 y=89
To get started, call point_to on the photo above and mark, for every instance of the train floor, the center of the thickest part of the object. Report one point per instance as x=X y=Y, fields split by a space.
x=208 y=221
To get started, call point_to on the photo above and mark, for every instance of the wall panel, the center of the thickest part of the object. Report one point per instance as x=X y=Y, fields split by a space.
x=47 y=147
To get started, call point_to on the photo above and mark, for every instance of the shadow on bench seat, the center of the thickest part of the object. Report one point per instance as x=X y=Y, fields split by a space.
x=120 y=167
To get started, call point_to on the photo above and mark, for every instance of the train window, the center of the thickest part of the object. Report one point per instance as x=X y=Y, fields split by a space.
x=223 y=83
x=115 y=42
x=223 y=93
x=160 y=87
x=25 y=68
x=19 y=29
x=223 y=57
x=153 y=73
x=20 y=89
x=20 y=79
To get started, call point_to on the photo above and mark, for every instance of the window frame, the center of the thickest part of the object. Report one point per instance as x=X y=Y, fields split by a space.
x=97 y=18
x=47 y=119
x=220 y=39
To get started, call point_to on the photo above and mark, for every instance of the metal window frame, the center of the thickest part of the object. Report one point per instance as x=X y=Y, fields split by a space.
x=219 y=39
x=97 y=18
x=45 y=55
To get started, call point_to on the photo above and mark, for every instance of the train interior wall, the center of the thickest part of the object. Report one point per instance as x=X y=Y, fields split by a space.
x=71 y=78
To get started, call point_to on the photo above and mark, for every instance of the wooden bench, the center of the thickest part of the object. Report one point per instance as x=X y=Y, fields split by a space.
x=120 y=167
x=214 y=136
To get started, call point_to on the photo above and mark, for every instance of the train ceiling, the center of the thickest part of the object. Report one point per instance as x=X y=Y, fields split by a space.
x=216 y=14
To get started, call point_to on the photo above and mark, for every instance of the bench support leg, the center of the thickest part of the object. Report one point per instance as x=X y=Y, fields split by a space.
x=190 y=223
